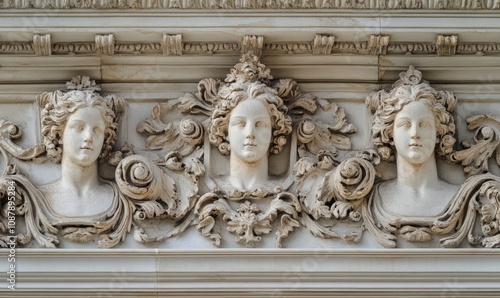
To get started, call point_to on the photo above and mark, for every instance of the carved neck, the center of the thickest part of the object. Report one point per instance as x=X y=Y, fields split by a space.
x=418 y=177
x=78 y=177
x=247 y=176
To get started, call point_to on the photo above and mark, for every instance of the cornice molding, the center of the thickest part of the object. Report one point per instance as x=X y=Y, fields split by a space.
x=172 y=45
x=153 y=5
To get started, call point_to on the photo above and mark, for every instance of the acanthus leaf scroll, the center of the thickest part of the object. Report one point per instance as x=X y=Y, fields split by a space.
x=479 y=196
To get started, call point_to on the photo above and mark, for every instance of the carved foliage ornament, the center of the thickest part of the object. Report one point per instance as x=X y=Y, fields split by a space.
x=213 y=167
x=289 y=128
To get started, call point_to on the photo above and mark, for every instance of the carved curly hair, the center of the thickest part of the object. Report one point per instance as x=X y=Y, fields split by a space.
x=385 y=106
x=58 y=106
x=228 y=98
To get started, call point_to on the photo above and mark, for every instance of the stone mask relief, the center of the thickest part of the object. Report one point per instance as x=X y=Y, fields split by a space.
x=254 y=155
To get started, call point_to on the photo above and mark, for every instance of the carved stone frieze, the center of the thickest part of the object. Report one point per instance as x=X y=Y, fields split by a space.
x=198 y=48
x=251 y=155
x=288 y=48
x=255 y=4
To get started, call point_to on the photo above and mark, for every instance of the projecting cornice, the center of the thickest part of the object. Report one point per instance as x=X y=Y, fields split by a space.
x=254 y=4
x=323 y=44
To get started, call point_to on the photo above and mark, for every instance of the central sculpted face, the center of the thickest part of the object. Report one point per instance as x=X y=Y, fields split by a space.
x=250 y=131
x=83 y=136
x=415 y=133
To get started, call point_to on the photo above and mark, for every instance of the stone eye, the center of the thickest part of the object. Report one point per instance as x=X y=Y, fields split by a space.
x=239 y=123
x=77 y=126
x=425 y=124
x=404 y=124
x=260 y=124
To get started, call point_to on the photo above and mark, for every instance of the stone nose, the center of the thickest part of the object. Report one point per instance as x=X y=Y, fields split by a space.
x=88 y=136
x=250 y=131
x=414 y=133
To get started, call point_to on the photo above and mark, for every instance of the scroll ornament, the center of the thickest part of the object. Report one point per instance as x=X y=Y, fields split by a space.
x=479 y=196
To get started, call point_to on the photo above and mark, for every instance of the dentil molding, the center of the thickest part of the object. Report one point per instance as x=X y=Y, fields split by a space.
x=172 y=45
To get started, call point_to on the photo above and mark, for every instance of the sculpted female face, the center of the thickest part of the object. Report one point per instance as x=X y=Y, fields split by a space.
x=415 y=133
x=83 y=136
x=250 y=131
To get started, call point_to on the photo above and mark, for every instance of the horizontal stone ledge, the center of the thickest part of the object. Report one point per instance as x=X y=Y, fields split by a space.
x=304 y=69
x=160 y=92
x=258 y=272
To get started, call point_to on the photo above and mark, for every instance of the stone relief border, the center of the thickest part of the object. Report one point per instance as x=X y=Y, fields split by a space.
x=173 y=45
x=327 y=190
x=255 y=4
